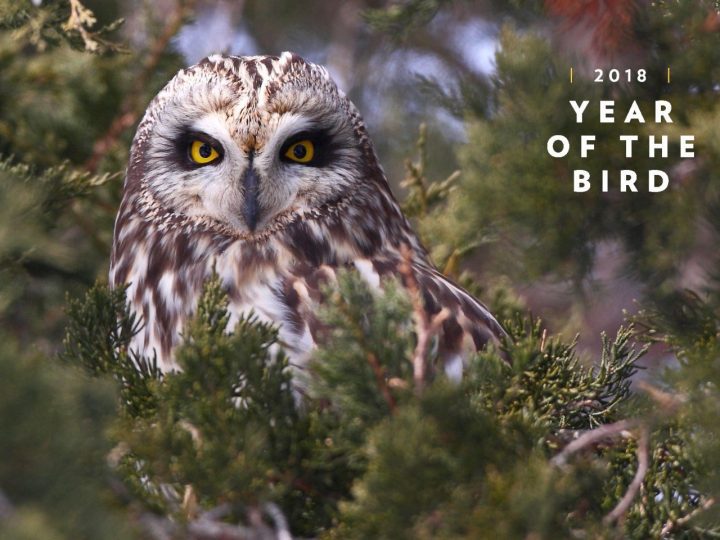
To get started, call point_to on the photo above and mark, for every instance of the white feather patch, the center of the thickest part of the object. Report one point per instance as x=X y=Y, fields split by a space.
x=454 y=368
x=368 y=273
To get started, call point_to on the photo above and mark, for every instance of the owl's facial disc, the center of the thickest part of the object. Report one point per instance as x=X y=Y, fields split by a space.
x=244 y=141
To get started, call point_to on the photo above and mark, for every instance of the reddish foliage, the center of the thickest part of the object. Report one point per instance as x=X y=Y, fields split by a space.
x=712 y=22
x=601 y=30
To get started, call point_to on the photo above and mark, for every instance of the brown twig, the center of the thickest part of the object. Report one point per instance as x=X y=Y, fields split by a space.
x=623 y=505
x=425 y=326
x=672 y=524
x=379 y=373
x=208 y=525
x=603 y=432
x=130 y=108
x=189 y=503
x=668 y=402
x=591 y=437
x=585 y=403
x=81 y=18
x=282 y=531
x=216 y=530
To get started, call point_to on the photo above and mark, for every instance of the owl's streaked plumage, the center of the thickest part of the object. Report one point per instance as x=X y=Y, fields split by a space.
x=273 y=227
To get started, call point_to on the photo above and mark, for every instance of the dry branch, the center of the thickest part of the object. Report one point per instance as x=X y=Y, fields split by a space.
x=643 y=462
x=672 y=524
x=425 y=326
x=591 y=437
x=132 y=106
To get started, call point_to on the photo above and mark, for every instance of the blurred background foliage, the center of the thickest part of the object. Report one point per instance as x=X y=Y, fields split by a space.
x=460 y=98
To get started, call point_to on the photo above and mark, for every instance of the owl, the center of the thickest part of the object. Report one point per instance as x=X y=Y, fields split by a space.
x=261 y=170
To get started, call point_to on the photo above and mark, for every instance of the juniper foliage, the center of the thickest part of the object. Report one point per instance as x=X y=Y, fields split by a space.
x=365 y=454
x=53 y=476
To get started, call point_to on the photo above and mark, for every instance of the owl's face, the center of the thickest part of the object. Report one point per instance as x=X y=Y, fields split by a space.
x=244 y=140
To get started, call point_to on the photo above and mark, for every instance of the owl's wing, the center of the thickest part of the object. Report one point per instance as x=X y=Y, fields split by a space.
x=466 y=311
x=467 y=324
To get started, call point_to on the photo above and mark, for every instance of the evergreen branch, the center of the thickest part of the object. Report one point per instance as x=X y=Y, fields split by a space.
x=416 y=201
x=56 y=21
x=97 y=338
x=370 y=356
x=99 y=330
x=423 y=194
x=58 y=186
x=399 y=19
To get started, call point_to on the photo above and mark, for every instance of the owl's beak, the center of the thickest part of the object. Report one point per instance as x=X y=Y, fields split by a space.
x=251 y=208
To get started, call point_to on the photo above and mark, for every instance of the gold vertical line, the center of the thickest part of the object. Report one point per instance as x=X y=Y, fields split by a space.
x=571 y=74
x=668 y=78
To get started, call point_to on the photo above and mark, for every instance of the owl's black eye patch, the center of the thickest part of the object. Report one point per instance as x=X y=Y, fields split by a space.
x=196 y=149
x=314 y=148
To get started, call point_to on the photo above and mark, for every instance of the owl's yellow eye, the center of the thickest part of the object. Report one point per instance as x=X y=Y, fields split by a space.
x=202 y=152
x=301 y=151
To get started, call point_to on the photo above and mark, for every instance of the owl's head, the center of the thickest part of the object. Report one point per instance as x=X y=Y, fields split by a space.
x=241 y=141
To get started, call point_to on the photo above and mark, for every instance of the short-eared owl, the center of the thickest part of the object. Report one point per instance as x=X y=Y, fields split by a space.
x=260 y=169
